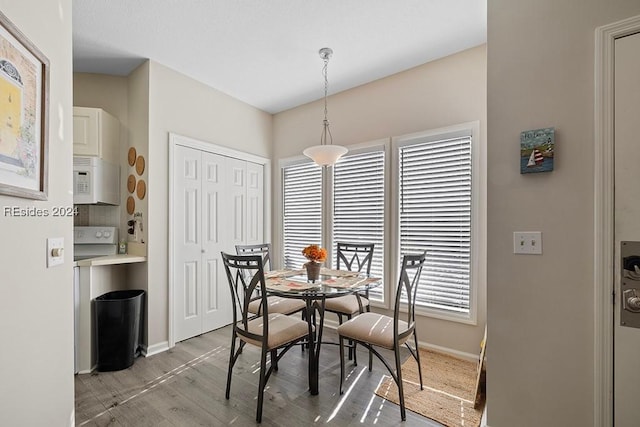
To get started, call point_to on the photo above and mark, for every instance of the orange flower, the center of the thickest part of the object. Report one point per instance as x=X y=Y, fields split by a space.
x=315 y=253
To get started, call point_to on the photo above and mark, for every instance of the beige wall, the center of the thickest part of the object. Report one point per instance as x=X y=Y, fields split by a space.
x=438 y=94
x=541 y=308
x=36 y=303
x=181 y=105
x=138 y=124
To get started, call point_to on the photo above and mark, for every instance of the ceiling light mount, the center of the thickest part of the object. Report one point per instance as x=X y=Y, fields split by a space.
x=325 y=154
x=326 y=53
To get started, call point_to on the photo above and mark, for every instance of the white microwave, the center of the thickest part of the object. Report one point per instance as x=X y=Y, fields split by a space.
x=95 y=181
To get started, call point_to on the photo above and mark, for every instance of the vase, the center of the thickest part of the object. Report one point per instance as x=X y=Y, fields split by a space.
x=313 y=270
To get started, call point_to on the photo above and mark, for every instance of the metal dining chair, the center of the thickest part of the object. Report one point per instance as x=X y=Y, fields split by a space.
x=273 y=333
x=275 y=304
x=354 y=257
x=378 y=330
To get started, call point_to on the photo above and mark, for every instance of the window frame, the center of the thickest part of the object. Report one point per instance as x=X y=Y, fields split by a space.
x=320 y=208
x=390 y=146
x=478 y=213
x=362 y=148
x=277 y=259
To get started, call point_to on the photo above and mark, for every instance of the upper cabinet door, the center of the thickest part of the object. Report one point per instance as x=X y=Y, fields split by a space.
x=96 y=133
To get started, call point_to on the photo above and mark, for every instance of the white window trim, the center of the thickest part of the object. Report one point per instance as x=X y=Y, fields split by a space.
x=478 y=216
x=392 y=228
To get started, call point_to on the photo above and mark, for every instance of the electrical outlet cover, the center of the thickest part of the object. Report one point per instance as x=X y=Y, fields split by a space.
x=55 y=251
x=527 y=242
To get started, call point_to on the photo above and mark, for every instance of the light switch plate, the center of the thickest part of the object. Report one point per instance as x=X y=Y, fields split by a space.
x=55 y=251
x=527 y=242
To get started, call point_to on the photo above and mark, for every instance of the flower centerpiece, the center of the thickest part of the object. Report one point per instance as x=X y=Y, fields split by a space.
x=316 y=256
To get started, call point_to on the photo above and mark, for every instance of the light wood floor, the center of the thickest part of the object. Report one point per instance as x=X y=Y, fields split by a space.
x=185 y=387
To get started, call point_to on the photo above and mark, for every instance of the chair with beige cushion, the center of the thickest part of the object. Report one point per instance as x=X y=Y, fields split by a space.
x=353 y=257
x=273 y=333
x=276 y=304
x=377 y=330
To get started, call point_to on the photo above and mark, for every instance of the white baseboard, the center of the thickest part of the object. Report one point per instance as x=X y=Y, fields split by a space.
x=457 y=353
x=155 y=348
x=87 y=371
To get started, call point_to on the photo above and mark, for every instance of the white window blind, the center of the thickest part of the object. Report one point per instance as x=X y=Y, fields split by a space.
x=435 y=215
x=302 y=211
x=358 y=206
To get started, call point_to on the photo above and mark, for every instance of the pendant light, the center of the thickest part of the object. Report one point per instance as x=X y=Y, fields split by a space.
x=325 y=154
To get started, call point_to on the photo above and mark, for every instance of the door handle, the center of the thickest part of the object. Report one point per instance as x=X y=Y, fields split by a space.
x=631 y=300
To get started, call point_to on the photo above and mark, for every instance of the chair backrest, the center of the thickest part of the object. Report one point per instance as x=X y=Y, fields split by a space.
x=408 y=283
x=355 y=256
x=262 y=249
x=245 y=274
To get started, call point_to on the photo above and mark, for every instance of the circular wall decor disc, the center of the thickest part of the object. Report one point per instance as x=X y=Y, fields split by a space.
x=131 y=156
x=131 y=205
x=140 y=165
x=141 y=190
x=131 y=183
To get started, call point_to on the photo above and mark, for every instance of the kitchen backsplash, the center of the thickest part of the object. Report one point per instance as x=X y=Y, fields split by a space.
x=97 y=215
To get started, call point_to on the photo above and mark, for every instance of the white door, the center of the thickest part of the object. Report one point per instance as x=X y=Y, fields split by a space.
x=237 y=208
x=627 y=229
x=187 y=271
x=216 y=295
x=255 y=204
x=217 y=204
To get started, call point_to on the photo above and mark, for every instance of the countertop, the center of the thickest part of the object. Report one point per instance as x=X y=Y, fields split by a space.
x=110 y=260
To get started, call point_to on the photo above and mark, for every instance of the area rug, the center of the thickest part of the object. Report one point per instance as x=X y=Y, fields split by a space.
x=449 y=389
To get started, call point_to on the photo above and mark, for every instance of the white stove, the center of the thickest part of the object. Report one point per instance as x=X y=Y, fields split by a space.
x=94 y=241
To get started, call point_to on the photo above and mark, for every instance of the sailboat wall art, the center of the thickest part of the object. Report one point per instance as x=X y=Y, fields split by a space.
x=537 y=149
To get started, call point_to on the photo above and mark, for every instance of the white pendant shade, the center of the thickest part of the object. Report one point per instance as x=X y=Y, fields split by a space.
x=325 y=155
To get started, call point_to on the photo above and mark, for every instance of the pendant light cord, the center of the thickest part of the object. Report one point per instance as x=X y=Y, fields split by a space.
x=325 y=130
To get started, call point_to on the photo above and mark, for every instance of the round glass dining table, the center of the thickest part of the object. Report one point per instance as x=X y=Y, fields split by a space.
x=330 y=284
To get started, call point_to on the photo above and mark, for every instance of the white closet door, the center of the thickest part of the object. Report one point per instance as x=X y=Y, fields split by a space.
x=187 y=271
x=216 y=295
x=237 y=208
x=255 y=204
x=217 y=204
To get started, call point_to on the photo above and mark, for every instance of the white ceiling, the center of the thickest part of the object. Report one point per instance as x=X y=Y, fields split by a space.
x=265 y=52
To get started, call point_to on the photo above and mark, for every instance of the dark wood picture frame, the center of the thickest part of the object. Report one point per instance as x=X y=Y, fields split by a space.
x=24 y=115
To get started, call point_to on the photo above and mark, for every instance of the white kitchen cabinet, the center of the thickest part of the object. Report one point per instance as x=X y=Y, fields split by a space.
x=96 y=133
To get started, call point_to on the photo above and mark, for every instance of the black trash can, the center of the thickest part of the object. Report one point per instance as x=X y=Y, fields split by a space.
x=118 y=320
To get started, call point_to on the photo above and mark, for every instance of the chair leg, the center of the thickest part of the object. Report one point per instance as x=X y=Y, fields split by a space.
x=263 y=367
x=274 y=359
x=352 y=348
x=415 y=338
x=403 y=413
x=341 y=342
x=368 y=309
x=304 y=344
x=231 y=363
